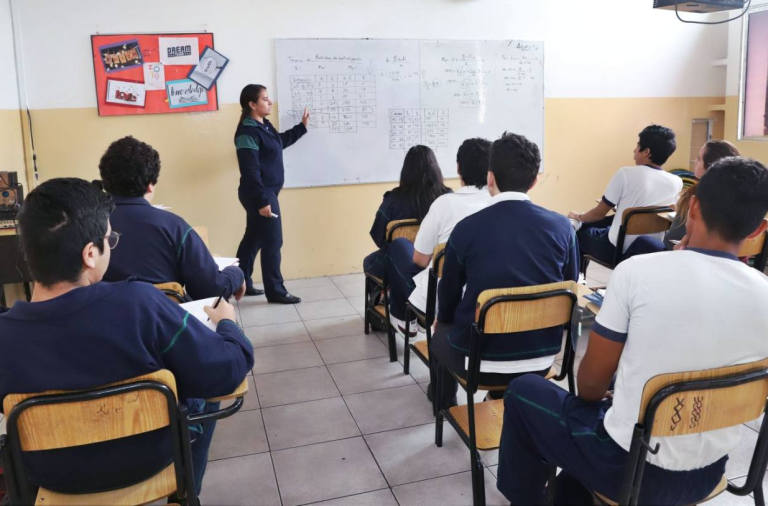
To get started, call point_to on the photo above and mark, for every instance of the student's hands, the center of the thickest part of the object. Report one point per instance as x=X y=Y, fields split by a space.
x=266 y=211
x=305 y=117
x=682 y=244
x=225 y=311
x=574 y=215
x=239 y=293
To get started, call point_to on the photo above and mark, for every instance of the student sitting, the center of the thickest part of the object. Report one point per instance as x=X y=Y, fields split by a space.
x=158 y=246
x=79 y=333
x=421 y=182
x=409 y=261
x=641 y=185
x=510 y=243
x=674 y=311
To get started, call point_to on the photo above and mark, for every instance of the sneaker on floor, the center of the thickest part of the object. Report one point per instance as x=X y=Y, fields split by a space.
x=400 y=326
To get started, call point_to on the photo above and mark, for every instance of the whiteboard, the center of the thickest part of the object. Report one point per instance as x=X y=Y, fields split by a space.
x=371 y=100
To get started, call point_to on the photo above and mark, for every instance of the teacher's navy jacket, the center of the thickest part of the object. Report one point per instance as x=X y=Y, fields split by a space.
x=103 y=333
x=260 y=156
x=159 y=247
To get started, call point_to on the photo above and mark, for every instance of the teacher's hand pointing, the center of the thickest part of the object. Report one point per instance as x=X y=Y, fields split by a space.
x=305 y=117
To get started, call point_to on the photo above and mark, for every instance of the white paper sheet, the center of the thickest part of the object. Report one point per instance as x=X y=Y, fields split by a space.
x=195 y=308
x=223 y=262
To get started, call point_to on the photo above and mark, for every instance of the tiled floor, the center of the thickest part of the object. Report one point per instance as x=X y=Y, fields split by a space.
x=329 y=420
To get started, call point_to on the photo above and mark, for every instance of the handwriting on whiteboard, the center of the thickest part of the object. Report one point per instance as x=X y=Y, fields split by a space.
x=409 y=127
x=340 y=103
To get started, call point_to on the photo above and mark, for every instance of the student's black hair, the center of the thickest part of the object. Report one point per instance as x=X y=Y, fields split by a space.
x=515 y=162
x=472 y=158
x=660 y=140
x=58 y=219
x=733 y=196
x=128 y=166
x=421 y=180
x=249 y=94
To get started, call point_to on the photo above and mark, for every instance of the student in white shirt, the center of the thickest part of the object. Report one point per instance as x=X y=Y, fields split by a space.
x=641 y=185
x=410 y=261
x=660 y=315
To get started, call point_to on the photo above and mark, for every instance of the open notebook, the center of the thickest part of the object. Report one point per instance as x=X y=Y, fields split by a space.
x=195 y=308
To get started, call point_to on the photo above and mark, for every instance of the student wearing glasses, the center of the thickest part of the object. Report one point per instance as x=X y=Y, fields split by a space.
x=79 y=333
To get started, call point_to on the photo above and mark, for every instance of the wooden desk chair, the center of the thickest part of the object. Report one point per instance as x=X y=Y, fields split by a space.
x=634 y=221
x=501 y=311
x=679 y=404
x=172 y=290
x=758 y=248
x=427 y=318
x=62 y=419
x=395 y=230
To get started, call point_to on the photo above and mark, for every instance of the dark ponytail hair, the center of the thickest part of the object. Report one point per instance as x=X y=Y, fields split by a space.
x=714 y=150
x=421 y=180
x=249 y=94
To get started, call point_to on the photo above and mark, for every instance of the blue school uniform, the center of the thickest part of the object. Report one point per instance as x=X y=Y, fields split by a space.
x=158 y=247
x=107 y=332
x=260 y=158
x=511 y=243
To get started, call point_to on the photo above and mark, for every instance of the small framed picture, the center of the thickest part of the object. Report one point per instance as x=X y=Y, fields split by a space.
x=210 y=67
x=121 y=55
x=121 y=92
x=185 y=93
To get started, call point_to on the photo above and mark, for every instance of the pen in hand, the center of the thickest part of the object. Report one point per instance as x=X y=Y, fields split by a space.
x=218 y=301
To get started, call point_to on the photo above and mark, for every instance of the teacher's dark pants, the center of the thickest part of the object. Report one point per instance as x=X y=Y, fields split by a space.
x=265 y=235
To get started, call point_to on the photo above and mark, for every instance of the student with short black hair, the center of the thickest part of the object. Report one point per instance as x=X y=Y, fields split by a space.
x=676 y=311
x=409 y=261
x=511 y=243
x=644 y=184
x=79 y=333
x=158 y=246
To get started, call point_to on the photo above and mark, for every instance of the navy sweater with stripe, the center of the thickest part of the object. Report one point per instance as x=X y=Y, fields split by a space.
x=107 y=332
x=260 y=157
x=158 y=247
x=508 y=244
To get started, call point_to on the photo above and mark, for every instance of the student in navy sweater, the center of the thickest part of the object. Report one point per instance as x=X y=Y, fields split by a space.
x=260 y=157
x=79 y=333
x=158 y=246
x=511 y=243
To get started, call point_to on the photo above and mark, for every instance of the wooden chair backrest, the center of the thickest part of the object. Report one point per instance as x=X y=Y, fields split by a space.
x=53 y=426
x=645 y=223
x=705 y=410
x=752 y=247
x=203 y=233
x=402 y=228
x=438 y=257
x=521 y=316
x=172 y=290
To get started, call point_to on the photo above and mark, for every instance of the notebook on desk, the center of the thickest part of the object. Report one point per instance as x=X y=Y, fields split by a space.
x=195 y=308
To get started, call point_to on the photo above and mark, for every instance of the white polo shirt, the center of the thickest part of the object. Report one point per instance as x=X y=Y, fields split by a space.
x=639 y=186
x=681 y=311
x=444 y=213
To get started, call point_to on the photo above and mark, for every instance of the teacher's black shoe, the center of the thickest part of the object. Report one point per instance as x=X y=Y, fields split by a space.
x=254 y=291
x=285 y=299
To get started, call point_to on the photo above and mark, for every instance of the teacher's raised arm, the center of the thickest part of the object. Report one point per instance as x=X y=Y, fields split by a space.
x=260 y=157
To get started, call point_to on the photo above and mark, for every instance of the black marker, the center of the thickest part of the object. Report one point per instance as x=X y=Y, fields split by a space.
x=218 y=301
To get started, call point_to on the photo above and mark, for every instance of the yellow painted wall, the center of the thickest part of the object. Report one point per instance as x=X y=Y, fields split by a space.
x=326 y=229
x=12 y=159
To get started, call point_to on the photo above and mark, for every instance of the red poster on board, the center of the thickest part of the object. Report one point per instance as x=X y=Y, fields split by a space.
x=119 y=60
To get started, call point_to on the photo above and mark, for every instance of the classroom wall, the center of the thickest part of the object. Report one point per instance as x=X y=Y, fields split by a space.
x=751 y=148
x=606 y=79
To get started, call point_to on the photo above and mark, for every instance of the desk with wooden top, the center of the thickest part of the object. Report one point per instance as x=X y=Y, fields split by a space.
x=13 y=266
x=582 y=291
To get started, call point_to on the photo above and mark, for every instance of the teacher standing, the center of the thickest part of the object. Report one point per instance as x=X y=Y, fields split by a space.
x=260 y=157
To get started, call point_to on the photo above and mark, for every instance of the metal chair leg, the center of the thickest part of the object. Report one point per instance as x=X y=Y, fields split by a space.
x=437 y=390
x=759 y=498
x=551 y=485
x=406 y=345
x=367 y=304
x=478 y=480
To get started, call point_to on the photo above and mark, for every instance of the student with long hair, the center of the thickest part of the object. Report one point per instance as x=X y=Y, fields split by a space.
x=260 y=157
x=421 y=182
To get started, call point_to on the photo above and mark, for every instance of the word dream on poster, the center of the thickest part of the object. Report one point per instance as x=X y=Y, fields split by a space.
x=129 y=93
x=185 y=93
x=179 y=50
x=121 y=55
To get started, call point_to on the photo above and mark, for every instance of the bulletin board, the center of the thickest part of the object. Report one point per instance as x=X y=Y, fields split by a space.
x=125 y=87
